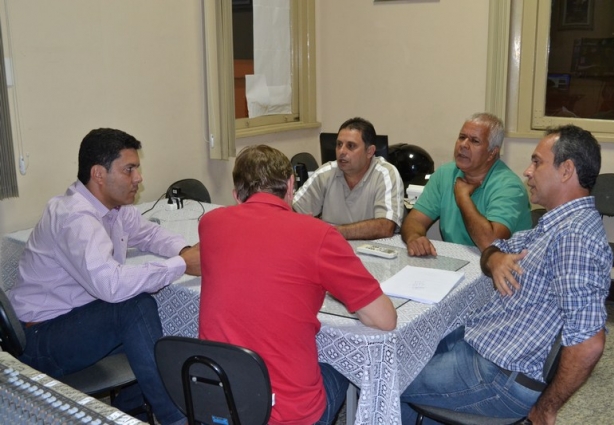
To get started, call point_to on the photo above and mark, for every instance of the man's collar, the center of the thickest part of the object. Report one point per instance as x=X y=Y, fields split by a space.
x=559 y=214
x=267 y=198
x=89 y=196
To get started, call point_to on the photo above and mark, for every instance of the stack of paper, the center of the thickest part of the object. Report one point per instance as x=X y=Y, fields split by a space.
x=421 y=284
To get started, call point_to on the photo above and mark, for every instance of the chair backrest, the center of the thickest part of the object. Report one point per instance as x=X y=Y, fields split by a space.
x=415 y=165
x=603 y=191
x=190 y=189
x=328 y=146
x=536 y=214
x=305 y=158
x=213 y=382
x=552 y=361
x=12 y=336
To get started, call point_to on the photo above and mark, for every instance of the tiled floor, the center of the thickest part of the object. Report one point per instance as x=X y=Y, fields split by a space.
x=593 y=402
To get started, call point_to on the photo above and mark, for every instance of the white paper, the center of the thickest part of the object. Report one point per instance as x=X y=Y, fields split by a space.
x=427 y=286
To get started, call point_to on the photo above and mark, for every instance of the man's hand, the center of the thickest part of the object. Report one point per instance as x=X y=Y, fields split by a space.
x=462 y=188
x=413 y=233
x=541 y=418
x=420 y=247
x=191 y=256
x=500 y=267
x=482 y=231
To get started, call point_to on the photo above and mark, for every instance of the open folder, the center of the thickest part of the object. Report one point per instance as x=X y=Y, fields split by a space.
x=427 y=286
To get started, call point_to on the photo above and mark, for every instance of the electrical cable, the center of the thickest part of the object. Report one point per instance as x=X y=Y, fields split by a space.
x=154 y=205
x=203 y=207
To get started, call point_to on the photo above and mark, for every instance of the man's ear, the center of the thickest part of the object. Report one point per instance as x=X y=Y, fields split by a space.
x=289 y=190
x=567 y=169
x=371 y=151
x=494 y=153
x=97 y=173
x=234 y=195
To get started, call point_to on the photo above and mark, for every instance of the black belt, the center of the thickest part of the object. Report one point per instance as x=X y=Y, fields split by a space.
x=525 y=381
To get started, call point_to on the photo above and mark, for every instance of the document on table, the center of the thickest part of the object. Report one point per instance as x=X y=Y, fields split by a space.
x=421 y=284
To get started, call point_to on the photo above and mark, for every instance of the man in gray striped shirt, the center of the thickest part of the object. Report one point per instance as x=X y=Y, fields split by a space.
x=359 y=193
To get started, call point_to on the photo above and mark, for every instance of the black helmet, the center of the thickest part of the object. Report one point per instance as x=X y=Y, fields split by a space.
x=413 y=163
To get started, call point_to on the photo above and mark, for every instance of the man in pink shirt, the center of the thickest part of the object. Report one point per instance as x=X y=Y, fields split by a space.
x=77 y=299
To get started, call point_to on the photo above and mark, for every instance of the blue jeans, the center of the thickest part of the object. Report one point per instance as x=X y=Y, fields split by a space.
x=86 y=334
x=336 y=386
x=458 y=378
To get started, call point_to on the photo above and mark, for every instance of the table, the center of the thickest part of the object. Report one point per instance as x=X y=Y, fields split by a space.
x=381 y=364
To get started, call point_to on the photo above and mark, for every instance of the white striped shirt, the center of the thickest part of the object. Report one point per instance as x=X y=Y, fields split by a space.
x=378 y=195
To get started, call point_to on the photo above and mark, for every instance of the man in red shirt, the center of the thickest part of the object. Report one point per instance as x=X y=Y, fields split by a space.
x=265 y=271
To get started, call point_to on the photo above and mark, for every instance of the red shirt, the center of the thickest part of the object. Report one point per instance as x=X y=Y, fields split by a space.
x=265 y=271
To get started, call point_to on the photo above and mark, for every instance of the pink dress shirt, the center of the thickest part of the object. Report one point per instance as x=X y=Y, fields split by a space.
x=77 y=253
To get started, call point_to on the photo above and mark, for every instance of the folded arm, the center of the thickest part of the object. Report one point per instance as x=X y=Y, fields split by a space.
x=97 y=264
x=482 y=231
x=374 y=228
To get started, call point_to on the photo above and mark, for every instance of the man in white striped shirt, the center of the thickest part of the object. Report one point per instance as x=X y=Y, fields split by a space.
x=359 y=193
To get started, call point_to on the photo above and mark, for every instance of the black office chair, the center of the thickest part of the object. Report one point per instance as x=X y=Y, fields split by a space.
x=414 y=164
x=305 y=158
x=603 y=191
x=209 y=380
x=108 y=376
x=452 y=417
x=189 y=189
x=328 y=146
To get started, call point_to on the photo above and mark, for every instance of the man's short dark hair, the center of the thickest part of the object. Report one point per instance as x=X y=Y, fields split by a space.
x=581 y=148
x=366 y=129
x=101 y=147
x=261 y=168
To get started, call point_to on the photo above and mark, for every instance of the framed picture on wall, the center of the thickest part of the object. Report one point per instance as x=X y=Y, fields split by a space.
x=576 y=14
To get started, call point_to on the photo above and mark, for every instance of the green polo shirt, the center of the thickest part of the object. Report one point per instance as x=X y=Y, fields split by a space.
x=501 y=198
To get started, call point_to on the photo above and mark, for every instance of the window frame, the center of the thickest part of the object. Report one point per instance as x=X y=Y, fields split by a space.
x=8 y=172
x=518 y=67
x=219 y=82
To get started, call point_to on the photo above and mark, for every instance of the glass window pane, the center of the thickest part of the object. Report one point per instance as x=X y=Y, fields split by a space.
x=580 y=80
x=262 y=53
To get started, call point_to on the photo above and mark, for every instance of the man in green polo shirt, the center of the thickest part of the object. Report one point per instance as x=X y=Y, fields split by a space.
x=476 y=198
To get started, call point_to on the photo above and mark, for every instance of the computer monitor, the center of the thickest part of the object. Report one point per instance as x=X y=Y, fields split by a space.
x=328 y=145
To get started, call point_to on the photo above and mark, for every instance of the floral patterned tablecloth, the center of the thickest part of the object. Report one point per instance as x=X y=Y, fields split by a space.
x=381 y=364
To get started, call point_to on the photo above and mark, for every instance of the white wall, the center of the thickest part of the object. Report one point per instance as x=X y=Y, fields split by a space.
x=415 y=68
x=82 y=65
